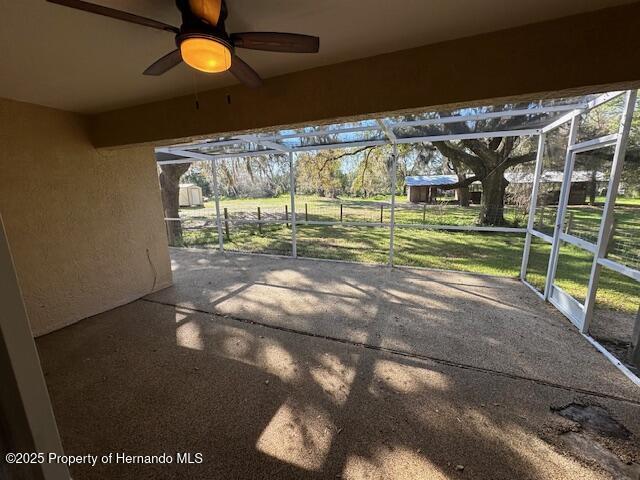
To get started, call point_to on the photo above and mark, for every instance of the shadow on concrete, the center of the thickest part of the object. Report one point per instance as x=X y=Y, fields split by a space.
x=264 y=401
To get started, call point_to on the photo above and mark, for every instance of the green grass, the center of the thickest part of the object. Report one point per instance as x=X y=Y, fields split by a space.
x=626 y=201
x=615 y=292
x=478 y=252
x=583 y=221
x=354 y=209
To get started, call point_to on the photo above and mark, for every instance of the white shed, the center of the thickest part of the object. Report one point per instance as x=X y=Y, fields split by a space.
x=190 y=195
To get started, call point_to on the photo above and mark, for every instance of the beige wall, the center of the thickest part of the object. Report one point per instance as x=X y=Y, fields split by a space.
x=85 y=226
x=583 y=53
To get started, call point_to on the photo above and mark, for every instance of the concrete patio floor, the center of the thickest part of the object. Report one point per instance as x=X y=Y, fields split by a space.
x=301 y=369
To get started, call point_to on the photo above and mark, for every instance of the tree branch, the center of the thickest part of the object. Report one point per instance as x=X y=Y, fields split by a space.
x=481 y=149
x=507 y=146
x=342 y=155
x=461 y=184
x=453 y=153
x=517 y=160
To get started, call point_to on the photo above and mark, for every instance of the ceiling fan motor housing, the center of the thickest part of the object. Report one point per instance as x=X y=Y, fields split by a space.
x=194 y=27
x=198 y=33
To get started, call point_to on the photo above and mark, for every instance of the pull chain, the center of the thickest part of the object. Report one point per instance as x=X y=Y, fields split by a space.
x=195 y=90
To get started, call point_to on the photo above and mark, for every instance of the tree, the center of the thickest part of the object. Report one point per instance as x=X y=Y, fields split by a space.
x=170 y=191
x=323 y=172
x=319 y=173
x=372 y=174
x=486 y=159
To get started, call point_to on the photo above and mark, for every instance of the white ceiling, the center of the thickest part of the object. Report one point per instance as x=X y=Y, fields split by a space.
x=58 y=57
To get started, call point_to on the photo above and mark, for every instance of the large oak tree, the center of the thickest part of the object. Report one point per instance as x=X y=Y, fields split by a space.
x=485 y=159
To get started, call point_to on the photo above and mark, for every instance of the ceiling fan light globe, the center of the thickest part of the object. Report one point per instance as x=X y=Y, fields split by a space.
x=205 y=54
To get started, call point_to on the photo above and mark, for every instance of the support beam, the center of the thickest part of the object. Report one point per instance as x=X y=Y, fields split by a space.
x=599 y=100
x=216 y=194
x=292 y=194
x=634 y=346
x=388 y=130
x=594 y=144
x=562 y=206
x=208 y=156
x=532 y=205
x=470 y=136
x=606 y=222
x=277 y=148
x=24 y=399
x=487 y=115
x=265 y=142
x=324 y=131
x=203 y=144
x=392 y=214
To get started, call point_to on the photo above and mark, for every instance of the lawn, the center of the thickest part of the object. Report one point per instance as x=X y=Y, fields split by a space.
x=479 y=252
x=615 y=292
x=349 y=209
x=583 y=221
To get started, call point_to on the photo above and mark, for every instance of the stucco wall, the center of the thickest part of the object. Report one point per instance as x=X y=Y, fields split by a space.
x=85 y=226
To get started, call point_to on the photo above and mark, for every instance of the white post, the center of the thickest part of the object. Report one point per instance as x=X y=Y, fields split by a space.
x=606 y=222
x=532 y=205
x=392 y=215
x=292 y=193
x=216 y=193
x=29 y=416
x=562 y=208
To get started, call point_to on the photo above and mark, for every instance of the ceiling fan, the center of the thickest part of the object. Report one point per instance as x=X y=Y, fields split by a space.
x=203 y=42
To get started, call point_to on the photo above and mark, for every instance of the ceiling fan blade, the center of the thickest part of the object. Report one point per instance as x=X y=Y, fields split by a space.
x=117 y=14
x=243 y=72
x=276 y=42
x=164 y=64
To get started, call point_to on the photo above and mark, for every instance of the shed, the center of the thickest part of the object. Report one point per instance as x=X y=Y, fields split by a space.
x=425 y=188
x=190 y=195
x=582 y=184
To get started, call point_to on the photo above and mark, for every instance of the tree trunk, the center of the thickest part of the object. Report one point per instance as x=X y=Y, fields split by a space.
x=170 y=190
x=463 y=196
x=492 y=204
x=592 y=188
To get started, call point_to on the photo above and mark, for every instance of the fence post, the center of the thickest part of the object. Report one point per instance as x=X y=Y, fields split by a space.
x=340 y=213
x=381 y=207
x=569 y=223
x=306 y=213
x=259 y=222
x=226 y=223
x=611 y=242
x=286 y=215
x=424 y=213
